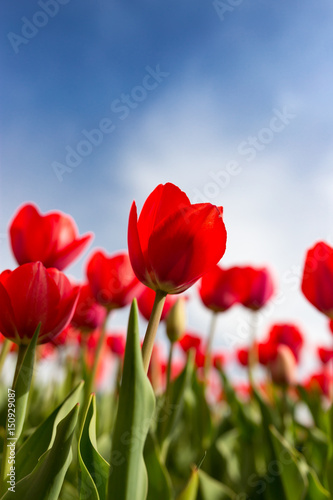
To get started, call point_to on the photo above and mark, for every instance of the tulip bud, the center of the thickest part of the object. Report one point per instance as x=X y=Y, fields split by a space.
x=283 y=366
x=176 y=320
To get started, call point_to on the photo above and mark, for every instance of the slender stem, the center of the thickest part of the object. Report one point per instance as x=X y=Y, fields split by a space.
x=5 y=463
x=253 y=354
x=168 y=373
x=4 y=351
x=148 y=343
x=208 y=353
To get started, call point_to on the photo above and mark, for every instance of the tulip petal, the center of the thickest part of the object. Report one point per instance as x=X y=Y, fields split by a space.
x=134 y=245
x=160 y=204
x=185 y=246
x=7 y=316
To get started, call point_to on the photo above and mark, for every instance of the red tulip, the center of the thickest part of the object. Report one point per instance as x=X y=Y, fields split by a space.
x=325 y=354
x=243 y=356
x=173 y=243
x=146 y=301
x=30 y=295
x=321 y=382
x=317 y=282
x=287 y=334
x=111 y=279
x=190 y=341
x=222 y=288
x=117 y=343
x=88 y=314
x=51 y=239
x=258 y=287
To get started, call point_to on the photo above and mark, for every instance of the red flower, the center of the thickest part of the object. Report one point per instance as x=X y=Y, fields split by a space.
x=317 y=282
x=243 y=356
x=32 y=294
x=287 y=334
x=88 y=314
x=258 y=287
x=173 y=243
x=111 y=279
x=325 y=354
x=116 y=343
x=320 y=381
x=222 y=288
x=51 y=238
x=146 y=301
x=190 y=341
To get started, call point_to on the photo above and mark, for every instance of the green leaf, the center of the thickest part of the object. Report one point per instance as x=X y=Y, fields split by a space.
x=159 y=483
x=45 y=481
x=172 y=405
x=128 y=475
x=290 y=466
x=191 y=490
x=210 y=489
x=43 y=437
x=22 y=381
x=93 y=469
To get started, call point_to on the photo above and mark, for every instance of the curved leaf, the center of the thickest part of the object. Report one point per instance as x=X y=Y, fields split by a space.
x=43 y=437
x=128 y=475
x=45 y=481
x=94 y=470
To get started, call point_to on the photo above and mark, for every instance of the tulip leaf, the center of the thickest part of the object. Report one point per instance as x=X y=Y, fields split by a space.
x=289 y=466
x=22 y=380
x=210 y=489
x=159 y=483
x=45 y=481
x=173 y=403
x=93 y=469
x=128 y=476
x=191 y=490
x=43 y=437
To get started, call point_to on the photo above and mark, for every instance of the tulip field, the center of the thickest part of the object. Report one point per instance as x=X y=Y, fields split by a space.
x=119 y=418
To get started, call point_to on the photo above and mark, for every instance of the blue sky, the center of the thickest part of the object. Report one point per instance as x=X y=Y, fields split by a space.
x=224 y=81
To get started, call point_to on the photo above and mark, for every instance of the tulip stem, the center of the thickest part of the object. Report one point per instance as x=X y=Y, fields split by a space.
x=208 y=353
x=4 y=351
x=148 y=343
x=253 y=349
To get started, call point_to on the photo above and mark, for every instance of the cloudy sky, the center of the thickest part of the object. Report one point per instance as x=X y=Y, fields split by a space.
x=230 y=100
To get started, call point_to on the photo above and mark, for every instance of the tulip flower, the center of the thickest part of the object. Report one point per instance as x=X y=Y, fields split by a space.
x=111 y=279
x=258 y=287
x=32 y=294
x=222 y=288
x=88 y=314
x=287 y=334
x=146 y=299
x=116 y=342
x=51 y=238
x=325 y=354
x=317 y=281
x=173 y=243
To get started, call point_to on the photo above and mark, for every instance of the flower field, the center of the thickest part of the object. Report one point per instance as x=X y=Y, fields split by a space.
x=119 y=419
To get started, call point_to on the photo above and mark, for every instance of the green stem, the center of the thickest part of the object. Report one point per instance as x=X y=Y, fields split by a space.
x=90 y=381
x=168 y=373
x=208 y=353
x=253 y=354
x=4 y=351
x=5 y=465
x=148 y=343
